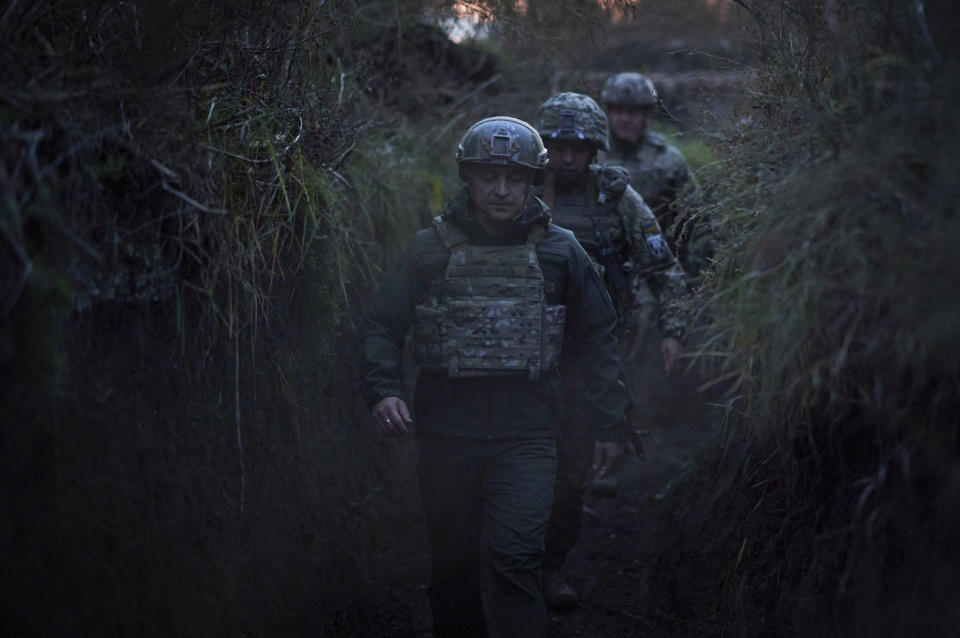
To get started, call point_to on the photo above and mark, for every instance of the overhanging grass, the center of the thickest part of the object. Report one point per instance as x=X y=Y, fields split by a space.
x=827 y=308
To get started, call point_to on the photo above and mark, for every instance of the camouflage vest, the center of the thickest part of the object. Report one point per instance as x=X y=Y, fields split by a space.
x=592 y=215
x=489 y=316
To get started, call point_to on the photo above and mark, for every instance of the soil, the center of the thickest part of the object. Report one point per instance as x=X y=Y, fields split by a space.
x=613 y=566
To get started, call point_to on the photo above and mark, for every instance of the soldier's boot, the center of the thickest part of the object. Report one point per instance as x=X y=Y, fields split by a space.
x=558 y=593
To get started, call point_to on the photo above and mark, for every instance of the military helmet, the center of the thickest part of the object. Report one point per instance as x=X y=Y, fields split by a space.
x=573 y=116
x=629 y=89
x=502 y=140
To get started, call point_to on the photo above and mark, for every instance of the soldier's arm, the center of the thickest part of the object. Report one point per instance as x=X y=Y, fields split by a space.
x=388 y=318
x=643 y=232
x=655 y=263
x=592 y=347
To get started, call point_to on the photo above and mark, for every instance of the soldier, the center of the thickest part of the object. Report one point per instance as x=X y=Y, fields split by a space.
x=492 y=291
x=659 y=173
x=658 y=170
x=621 y=234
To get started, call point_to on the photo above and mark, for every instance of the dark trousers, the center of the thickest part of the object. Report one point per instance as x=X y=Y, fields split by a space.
x=505 y=488
x=575 y=454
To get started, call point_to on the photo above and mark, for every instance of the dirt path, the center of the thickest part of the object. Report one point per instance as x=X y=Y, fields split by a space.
x=612 y=565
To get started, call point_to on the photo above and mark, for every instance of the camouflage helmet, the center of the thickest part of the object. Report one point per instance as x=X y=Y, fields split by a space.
x=629 y=89
x=573 y=116
x=502 y=140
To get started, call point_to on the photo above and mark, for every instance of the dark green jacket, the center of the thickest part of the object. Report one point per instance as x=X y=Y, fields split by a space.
x=498 y=407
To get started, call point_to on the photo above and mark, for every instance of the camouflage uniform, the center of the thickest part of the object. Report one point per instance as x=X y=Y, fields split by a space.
x=487 y=438
x=623 y=230
x=621 y=234
x=658 y=171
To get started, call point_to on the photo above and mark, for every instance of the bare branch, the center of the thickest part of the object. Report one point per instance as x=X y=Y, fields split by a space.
x=750 y=11
x=192 y=201
x=340 y=177
x=344 y=154
x=235 y=156
x=167 y=172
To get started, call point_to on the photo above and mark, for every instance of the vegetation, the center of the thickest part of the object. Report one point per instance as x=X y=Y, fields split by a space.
x=186 y=254
x=198 y=196
x=831 y=325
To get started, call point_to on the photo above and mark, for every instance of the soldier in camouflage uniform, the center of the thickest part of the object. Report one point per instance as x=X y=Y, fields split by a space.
x=621 y=234
x=494 y=292
x=659 y=173
x=657 y=170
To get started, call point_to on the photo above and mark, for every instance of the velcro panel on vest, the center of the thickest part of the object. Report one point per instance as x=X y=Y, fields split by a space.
x=468 y=260
x=491 y=317
x=492 y=335
x=489 y=337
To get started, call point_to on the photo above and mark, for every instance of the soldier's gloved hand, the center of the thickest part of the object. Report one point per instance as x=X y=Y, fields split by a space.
x=391 y=416
x=671 y=350
x=605 y=457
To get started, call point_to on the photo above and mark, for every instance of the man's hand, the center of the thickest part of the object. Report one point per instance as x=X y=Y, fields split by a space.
x=671 y=350
x=391 y=416
x=605 y=456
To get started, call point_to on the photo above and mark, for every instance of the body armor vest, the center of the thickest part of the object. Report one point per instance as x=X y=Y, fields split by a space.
x=591 y=214
x=592 y=223
x=489 y=316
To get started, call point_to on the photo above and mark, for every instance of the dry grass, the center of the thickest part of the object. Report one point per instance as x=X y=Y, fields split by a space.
x=187 y=251
x=829 y=305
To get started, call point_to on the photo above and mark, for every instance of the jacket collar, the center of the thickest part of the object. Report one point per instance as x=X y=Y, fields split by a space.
x=459 y=210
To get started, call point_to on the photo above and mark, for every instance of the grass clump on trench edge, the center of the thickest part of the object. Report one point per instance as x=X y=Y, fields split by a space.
x=829 y=503
x=187 y=245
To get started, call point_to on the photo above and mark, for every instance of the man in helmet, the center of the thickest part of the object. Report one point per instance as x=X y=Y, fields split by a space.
x=658 y=170
x=621 y=234
x=659 y=173
x=493 y=292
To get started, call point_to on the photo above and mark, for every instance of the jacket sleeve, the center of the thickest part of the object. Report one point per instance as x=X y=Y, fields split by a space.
x=387 y=320
x=680 y=179
x=592 y=347
x=655 y=263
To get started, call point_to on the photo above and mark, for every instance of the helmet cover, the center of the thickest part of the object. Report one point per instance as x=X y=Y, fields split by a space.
x=502 y=140
x=573 y=116
x=629 y=89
